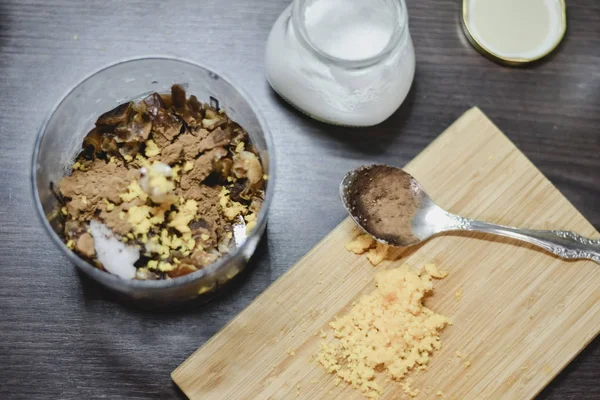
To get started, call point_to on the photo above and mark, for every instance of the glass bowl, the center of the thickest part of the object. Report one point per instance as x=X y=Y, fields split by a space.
x=61 y=135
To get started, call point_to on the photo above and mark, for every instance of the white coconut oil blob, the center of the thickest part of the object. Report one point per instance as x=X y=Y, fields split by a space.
x=116 y=257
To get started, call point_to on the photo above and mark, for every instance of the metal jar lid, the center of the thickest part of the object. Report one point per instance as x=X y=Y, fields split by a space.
x=512 y=61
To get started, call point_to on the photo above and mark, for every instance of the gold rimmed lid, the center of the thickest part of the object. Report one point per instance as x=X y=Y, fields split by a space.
x=514 y=32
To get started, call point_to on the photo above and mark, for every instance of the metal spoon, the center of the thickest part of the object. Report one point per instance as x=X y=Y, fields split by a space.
x=390 y=205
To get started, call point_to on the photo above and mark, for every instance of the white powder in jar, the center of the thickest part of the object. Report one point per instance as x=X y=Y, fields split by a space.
x=320 y=76
x=348 y=30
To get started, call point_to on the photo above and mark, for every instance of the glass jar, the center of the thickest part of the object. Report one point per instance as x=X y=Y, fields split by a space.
x=344 y=62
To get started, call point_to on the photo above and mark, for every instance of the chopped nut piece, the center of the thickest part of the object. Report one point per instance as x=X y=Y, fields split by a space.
x=85 y=245
x=247 y=165
x=213 y=119
x=117 y=115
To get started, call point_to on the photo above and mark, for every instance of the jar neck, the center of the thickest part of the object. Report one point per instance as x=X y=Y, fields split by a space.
x=399 y=28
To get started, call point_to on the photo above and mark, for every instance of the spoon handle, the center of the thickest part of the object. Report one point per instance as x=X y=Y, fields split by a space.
x=564 y=244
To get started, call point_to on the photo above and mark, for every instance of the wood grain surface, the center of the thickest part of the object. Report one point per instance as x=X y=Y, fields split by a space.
x=522 y=315
x=61 y=337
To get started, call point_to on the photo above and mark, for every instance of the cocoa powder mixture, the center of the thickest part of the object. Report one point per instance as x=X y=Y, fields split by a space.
x=168 y=176
x=381 y=197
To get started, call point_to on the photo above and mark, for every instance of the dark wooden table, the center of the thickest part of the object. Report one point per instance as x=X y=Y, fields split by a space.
x=60 y=337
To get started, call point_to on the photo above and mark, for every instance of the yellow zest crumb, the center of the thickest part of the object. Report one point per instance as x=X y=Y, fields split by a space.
x=139 y=218
x=459 y=294
x=231 y=209
x=152 y=264
x=291 y=352
x=188 y=166
x=127 y=157
x=360 y=244
x=249 y=226
x=70 y=244
x=175 y=173
x=165 y=266
x=64 y=211
x=467 y=364
x=265 y=177
x=158 y=215
x=389 y=329
x=230 y=178
x=134 y=190
x=184 y=216
x=232 y=272
x=151 y=148
x=109 y=206
x=205 y=289
x=433 y=270
x=142 y=160
x=408 y=390
x=76 y=166
x=204 y=237
x=378 y=254
x=240 y=147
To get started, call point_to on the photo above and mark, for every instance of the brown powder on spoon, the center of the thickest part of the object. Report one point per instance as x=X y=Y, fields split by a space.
x=381 y=198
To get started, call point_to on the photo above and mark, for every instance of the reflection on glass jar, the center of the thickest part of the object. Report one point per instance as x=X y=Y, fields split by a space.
x=345 y=62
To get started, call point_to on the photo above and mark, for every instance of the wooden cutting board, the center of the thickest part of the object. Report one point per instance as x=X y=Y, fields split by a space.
x=523 y=313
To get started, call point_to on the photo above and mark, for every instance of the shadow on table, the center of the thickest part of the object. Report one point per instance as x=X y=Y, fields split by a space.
x=94 y=292
x=371 y=140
